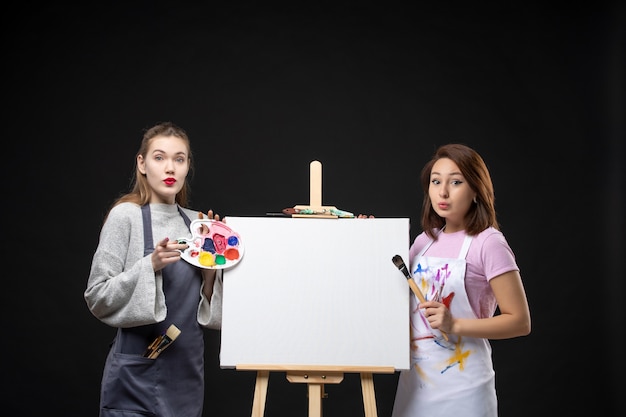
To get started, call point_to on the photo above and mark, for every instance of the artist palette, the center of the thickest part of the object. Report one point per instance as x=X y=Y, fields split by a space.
x=213 y=245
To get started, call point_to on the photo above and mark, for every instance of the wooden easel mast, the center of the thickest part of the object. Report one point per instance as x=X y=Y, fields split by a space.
x=315 y=188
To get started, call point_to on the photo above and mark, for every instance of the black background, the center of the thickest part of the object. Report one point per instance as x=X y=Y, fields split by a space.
x=370 y=92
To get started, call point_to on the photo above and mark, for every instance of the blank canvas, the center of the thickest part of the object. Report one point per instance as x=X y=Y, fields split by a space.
x=317 y=292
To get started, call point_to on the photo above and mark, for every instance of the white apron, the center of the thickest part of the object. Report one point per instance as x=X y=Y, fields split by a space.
x=454 y=378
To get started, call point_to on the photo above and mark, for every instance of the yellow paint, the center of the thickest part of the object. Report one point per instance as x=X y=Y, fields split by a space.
x=206 y=259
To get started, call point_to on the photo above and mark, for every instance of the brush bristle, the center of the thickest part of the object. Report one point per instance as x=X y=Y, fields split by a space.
x=172 y=332
x=397 y=260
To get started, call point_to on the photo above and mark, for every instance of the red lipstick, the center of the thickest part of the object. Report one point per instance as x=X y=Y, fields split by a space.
x=169 y=181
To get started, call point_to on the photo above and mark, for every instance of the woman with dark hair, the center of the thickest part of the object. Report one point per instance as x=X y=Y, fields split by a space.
x=466 y=270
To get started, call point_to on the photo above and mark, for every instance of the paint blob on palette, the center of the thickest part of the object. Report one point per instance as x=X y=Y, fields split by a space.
x=213 y=245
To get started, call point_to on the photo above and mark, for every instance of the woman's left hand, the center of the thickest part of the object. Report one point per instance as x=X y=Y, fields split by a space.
x=210 y=215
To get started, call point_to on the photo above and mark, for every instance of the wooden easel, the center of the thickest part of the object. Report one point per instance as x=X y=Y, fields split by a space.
x=315 y=376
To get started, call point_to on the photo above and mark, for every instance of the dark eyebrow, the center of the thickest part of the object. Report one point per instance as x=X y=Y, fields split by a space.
x=451 y=174
x=177 y=153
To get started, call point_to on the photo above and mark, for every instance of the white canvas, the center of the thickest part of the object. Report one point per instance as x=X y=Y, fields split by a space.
x=317 y=292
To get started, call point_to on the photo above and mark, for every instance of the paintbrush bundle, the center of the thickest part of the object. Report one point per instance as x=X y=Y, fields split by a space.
x=160 y=343
x=399 y=263
x=327 y=212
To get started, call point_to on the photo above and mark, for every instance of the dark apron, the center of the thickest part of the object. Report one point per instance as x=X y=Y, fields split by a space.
x=172 y=385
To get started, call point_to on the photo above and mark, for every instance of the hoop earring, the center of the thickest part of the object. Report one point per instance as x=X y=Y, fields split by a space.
x=475 y=202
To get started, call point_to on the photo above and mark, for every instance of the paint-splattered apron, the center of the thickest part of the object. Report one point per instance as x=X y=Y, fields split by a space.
x=172 y=385
x=453 y=378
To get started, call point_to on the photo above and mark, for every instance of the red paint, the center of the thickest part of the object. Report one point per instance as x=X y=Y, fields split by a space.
x=448 y=299
x=231 y=254
x=220 y=243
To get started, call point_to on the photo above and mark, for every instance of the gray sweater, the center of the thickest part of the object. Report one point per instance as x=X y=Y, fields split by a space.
x=123 y=290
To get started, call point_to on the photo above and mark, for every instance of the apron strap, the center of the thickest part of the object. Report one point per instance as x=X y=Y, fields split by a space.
x=184 y=216
x=465 y=248
x=148 y=241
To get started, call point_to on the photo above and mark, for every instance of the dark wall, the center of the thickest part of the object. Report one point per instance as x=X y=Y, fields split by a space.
x=369 y=92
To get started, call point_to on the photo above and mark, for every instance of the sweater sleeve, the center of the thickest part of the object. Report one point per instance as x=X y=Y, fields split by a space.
x=123 y=290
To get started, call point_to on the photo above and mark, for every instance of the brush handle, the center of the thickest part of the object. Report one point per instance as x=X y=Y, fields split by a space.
x=420 y=297
x=161 y=342
x=416 y=290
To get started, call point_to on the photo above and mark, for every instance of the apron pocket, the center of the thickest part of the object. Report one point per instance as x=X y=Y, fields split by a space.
x=129 y=386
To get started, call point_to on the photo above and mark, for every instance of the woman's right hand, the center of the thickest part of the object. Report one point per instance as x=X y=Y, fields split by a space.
x=166 y=253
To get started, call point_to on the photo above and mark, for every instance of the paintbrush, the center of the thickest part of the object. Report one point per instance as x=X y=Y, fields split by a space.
x=163 y=341
x=399 y=263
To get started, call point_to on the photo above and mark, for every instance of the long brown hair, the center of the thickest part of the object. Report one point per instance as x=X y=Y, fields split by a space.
x=141 y=192
x=482 y=214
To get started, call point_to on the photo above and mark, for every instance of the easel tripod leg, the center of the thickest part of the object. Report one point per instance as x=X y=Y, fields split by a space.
x=369 y=398
x=260 y=393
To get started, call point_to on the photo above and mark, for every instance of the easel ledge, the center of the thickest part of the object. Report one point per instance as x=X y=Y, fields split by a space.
x=315 y=376
x=317 y=368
